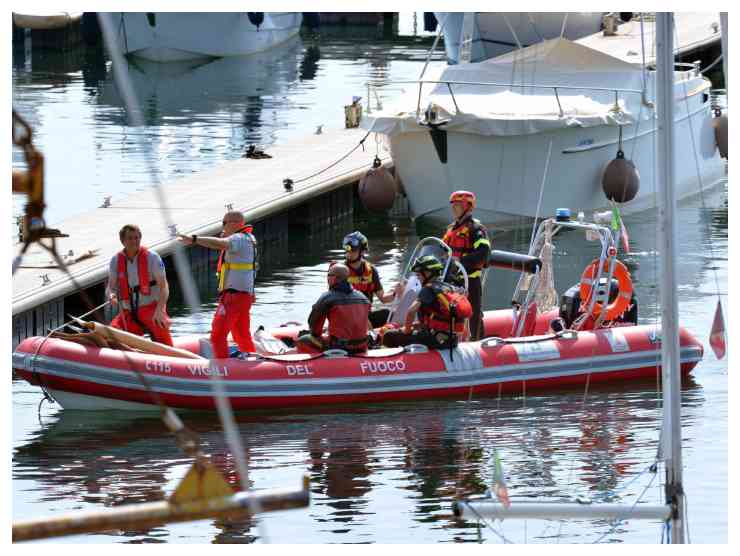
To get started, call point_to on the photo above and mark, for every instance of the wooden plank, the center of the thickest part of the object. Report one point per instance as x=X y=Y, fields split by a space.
x=197 y=205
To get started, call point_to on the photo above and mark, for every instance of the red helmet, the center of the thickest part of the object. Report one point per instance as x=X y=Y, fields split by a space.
x=464 y=196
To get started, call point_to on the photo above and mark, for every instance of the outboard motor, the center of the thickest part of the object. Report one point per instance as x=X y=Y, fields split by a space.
x=570 y=303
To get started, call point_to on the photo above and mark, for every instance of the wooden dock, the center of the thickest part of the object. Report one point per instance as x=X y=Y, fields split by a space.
x=694 y=31
x=196 y=204
x=48 y=30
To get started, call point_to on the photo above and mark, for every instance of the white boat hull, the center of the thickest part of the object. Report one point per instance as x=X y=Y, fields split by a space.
x=506 y=172
x=492 y=35
x=179 y=36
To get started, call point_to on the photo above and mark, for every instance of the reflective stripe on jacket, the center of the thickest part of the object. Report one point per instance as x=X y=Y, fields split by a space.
x=468 y=239
x=363 y=280
x=240 y=261
x=437 y=315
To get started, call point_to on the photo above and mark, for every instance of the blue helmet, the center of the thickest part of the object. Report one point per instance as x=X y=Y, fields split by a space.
x=355 y=240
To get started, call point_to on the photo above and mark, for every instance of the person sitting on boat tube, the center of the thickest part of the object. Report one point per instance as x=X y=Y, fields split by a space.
x=347 y=311
x=236 y=272
x=468 y=239
x=363 y=276
x=137 y=284
x=442 y=311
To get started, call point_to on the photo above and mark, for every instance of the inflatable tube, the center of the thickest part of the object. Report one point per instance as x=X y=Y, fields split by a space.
x=83 y=377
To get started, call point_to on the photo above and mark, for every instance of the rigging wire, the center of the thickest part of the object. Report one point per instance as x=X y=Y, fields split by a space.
x=434 y=46
x=181 y=263
x=618 y=522
x=698 y=175
x=542 y=190
x=565 y=22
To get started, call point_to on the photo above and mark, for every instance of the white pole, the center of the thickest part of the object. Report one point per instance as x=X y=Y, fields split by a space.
x=667 y=234
x=725 y=52
x=489 y=509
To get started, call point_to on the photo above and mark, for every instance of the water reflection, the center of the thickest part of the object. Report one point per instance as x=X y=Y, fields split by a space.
x=310 y=63
x=364 y=459
x=189 y=92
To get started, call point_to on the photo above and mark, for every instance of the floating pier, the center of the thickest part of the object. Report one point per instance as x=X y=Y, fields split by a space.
x=695 y=32
x=50 y=30
x=43 y=293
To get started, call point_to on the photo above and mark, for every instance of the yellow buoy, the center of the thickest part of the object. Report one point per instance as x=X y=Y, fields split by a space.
x=377 y=189
x=620 y=179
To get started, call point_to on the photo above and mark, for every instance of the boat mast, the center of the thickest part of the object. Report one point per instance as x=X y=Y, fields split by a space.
x=667 y=234
x=723 y=25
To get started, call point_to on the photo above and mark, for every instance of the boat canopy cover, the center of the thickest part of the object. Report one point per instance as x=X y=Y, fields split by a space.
x=513 y=106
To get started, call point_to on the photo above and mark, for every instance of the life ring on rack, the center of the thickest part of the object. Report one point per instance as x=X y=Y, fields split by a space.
x=617 y=307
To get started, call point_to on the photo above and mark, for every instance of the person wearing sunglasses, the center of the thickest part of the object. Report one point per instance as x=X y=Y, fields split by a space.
x=237 y=264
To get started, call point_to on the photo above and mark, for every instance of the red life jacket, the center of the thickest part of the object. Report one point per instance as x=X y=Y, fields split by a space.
x=449 y=306
x=459 y=237
x=222 y=253
x=348 y=323
x=362 y=279
x=143 y=268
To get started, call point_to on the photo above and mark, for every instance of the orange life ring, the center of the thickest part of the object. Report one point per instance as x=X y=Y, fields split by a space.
x=621 y=303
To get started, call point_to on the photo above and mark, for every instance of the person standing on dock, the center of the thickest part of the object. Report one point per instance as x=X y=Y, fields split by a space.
x=347 y=311
x=137 y=283
x=364 y=277
x=236 y=271
x=468 y=239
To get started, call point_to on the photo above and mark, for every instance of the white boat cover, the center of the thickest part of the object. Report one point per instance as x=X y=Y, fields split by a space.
x=513 y=106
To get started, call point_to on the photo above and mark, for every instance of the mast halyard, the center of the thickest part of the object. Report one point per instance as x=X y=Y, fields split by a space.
x=667 y=233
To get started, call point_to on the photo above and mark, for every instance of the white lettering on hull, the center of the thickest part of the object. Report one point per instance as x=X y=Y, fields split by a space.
x=299 y=370
x=206 y=370
x=395 y=366
x=158 y=366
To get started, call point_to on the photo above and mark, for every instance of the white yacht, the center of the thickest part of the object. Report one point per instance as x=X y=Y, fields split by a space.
x=533 y=130
x=179 y=36
x=496 y=33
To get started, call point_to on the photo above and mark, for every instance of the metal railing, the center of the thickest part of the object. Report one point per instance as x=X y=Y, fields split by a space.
x=372 y=88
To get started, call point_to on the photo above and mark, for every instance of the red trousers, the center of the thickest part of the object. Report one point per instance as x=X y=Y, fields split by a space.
x=232 y=315
x=125 y=321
